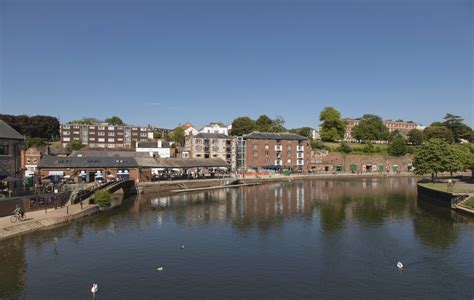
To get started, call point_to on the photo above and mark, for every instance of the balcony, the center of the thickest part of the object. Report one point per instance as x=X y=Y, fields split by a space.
x=278 y=162
x=299 y=148
x=300 y=155
x=300 y=162
x=278 y=148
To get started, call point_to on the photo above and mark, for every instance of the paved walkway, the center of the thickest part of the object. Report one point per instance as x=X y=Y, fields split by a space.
x=40 y=218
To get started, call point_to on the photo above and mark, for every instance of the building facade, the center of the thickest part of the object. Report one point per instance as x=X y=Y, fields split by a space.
x=276 y=150
x=215 y=127
x=157 y=148
x=32 y=158
x=211 y=145
x=105 y=136
x=11 y=147
x=401 y=126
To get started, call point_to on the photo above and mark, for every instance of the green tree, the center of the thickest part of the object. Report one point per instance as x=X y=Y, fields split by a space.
x=394 y=134
x=318 y=145
x=415 y=137
x=369 y=148
x=458 y=129
x=178 y=136
x=157 y=135
x=344 y=148
x=35 y=142
x=432 y=157
x=304 y=131
x=278 y=124
x=438 y=132
x=458 y=159
x=85 y=121
x=103 y=198
x=242 y=126
x=332 y=126
x=264 y=124
x=74 y=146
x=370 y=128
x=114 y=120
x=398 y=146
x=35 y=126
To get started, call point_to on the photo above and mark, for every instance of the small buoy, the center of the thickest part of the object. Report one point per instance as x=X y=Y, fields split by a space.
x=399 y=265
x=182 y=247
x=94 y=288
x=160 y=269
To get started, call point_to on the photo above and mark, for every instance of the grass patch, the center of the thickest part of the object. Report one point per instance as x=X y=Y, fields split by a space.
x=469 y=203
x=358 y=148
x=443 y=187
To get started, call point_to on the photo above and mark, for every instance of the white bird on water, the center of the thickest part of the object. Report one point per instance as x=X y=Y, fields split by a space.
x=94 y=288
x=160 y=269
x=399 y=265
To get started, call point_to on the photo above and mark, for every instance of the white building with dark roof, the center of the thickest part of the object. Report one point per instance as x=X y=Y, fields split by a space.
x=159 y=148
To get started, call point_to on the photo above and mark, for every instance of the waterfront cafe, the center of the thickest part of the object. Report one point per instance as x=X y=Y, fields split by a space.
x=103 y=168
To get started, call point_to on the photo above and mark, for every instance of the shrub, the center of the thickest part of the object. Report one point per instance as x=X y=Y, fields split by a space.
x=103 y=199
x=344 y=148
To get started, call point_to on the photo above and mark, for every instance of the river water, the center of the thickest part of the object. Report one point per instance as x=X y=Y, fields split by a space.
x=300 y=239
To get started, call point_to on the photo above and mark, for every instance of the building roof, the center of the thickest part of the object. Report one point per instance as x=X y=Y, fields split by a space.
x=87 y=162
x=181 y=162
x=153 y=144
x=106 y=153
x=205 y=135
x=7 y=132
x=57 y=151
x=52 y=162
x=274 y=136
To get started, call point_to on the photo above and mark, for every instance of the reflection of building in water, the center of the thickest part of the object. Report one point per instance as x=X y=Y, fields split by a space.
x=264 y=205
x=12 y=268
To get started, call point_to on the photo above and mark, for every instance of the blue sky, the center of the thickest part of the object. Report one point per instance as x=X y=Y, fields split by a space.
x=168 y=62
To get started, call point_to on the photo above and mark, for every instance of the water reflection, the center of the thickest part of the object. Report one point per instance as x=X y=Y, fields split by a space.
x=369 y=209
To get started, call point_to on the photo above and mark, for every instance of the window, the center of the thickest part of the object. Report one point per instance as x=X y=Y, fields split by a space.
x=120 y=140
x=267 y=161
x=100 y=146
x=289 y=160
x=66 y=139
x=255 y=146
x=254 y=161
x=77 y=126
x=66 y=126
x=120 y=133
x=267 y=147
x=143 y=134
x=267 y=153
x=111 y=128
x=255 y=153
x=111 y=145
x=76 y=132
x=91 y=139
x=92 y=127
x=101 y=127
x=101 y=133
x=289 y=147
x=111 y=133
x=76 y=138
x=111 y=140
x=66 y=132
x=101 y=140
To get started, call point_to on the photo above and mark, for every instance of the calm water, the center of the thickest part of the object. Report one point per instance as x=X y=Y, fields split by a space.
x=300 y=239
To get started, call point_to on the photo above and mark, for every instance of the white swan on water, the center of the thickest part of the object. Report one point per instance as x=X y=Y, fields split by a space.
x=94 y=288
x=160 y=269
x=399 y=265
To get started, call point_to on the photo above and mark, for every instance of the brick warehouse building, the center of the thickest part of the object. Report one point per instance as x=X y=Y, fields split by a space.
x=11 y=146
x=333 y=162
x=285 y=150
x=105 y=136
